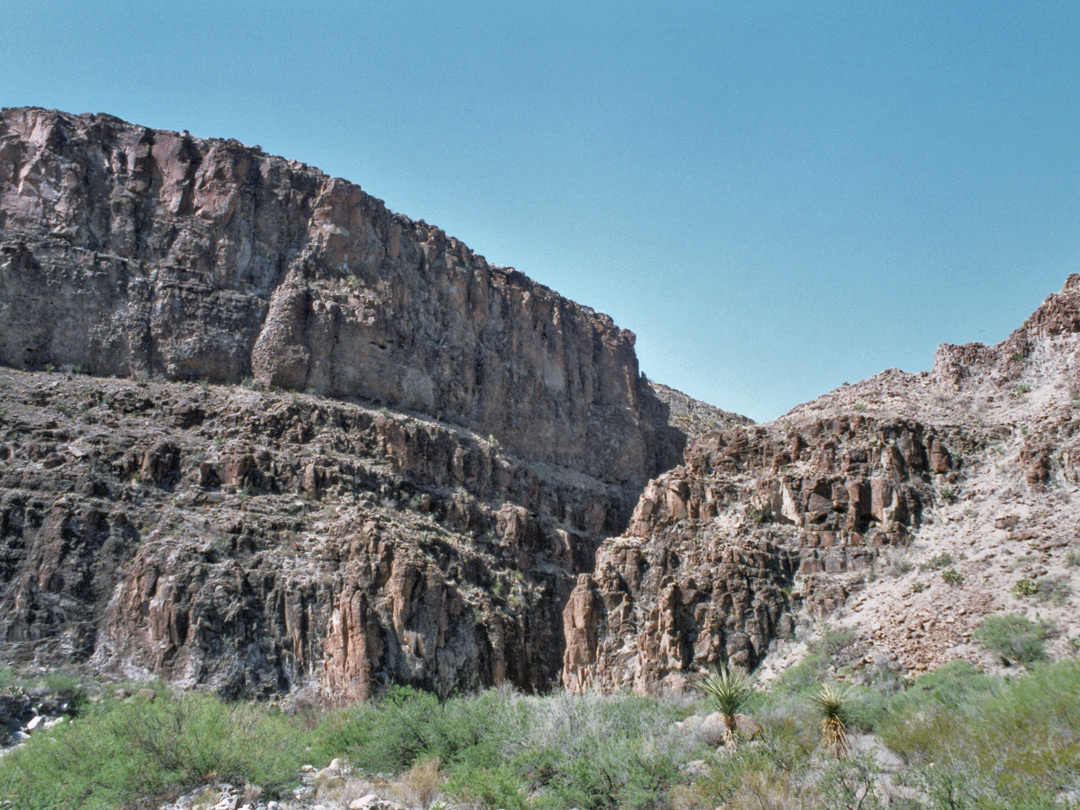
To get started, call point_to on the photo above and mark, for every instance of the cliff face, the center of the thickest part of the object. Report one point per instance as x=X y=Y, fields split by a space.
x=134 y=252
x=704 y=574
x=211 y=494
x=260 y=542
x=849 y=510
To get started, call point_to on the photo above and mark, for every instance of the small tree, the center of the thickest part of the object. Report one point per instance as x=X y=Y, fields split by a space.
x=729 y=690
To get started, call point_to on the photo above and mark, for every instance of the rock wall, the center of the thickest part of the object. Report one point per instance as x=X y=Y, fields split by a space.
x=135 y=252
x=261 y=542
x=767 y=527
x=706 y=572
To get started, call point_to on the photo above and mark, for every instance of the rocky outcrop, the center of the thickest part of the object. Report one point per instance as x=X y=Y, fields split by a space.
x=768 y=528
x=261 y=543
x=1057 y=316
x=135 y=252
x=705 y=573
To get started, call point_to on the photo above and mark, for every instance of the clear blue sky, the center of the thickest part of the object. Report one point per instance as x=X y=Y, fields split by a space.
x=776 y=197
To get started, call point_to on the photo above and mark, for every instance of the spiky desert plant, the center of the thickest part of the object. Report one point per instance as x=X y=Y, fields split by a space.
x=832 y=704
x=729 y=690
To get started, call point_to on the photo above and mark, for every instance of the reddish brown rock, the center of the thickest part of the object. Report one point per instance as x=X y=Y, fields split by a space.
x=131 y=251
x=692 y=584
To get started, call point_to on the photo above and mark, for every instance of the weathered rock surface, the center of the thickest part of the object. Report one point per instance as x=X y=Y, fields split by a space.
x=705 y=573
x=289 y=534
x=768 y=528
x=262 y=542
x=134 y=252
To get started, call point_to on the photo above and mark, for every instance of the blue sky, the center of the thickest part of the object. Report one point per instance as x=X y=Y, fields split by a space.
x=775 y=197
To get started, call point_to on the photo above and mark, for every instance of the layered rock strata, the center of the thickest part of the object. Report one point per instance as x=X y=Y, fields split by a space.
x=260 y=543
x=130 y=251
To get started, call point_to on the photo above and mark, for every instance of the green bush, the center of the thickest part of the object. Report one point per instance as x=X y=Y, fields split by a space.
x=1025 y=587
x=1014 y=637
x=993 y=743
x=832 y=642
x=410 y=724
x=500 y=786
x=116 y=752
x=596 y=752
x=1054 y=588
x=951 y=576
x=586 y=751
x=775 y=765
x=935 y=563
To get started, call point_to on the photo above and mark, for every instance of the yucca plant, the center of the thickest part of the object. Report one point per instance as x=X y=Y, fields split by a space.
x=832 y=704
x=729 y=690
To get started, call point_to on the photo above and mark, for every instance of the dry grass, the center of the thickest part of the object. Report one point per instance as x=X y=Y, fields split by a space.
x=419 y=787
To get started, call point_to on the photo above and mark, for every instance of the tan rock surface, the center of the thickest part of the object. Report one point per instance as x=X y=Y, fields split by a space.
x=849 y=510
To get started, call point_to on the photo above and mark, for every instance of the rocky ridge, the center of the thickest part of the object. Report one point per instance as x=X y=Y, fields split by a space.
x=262 y=435
x=851 y=509
x=129 y=251
x=259 y=434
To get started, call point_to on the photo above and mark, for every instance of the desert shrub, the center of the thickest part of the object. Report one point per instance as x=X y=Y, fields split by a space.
x=419 y=785
x=1014 y=637
x=483 y=787
x=1007 y=746
x=951 y=576
x=10 y=681
x=954 y=684
x=834 y=641
x=69 y=686
x=849 y=784
x=937 y=562
x=118 y=751
x=769 y=772
x=1025 y=587
x=802 y=678
x=408 y=724
x=1001 y=744
x=595 y=752
x=497 y=748
x=1054 y=588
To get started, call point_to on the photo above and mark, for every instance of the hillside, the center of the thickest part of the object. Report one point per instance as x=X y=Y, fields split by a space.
x=262 y=435
x=903 y=509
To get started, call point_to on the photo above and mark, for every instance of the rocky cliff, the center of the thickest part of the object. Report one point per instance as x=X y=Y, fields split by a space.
x=129 y=251
x=259 y=433
x=261 y=542
x=904 y=509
